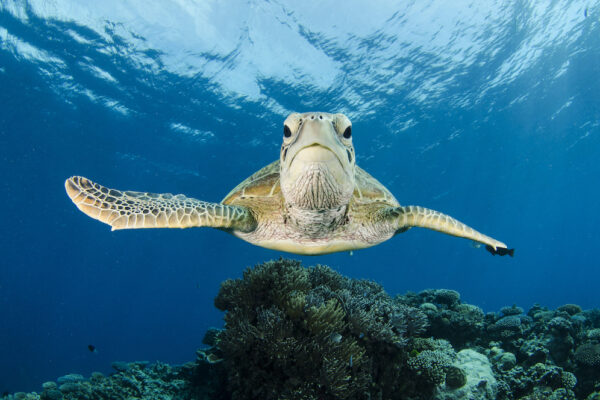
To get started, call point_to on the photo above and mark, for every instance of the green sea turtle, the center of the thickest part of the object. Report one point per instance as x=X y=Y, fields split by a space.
x=313 y=200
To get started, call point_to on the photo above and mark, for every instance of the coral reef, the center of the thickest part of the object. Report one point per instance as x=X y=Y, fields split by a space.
x=136 y=380
x=448 y=318
x=309 y=333
x=294 y=332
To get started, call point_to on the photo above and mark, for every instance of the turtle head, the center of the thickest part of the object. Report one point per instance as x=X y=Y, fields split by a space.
x=317 y=160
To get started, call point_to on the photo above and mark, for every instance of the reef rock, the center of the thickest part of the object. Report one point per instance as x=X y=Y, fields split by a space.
x=480 y=381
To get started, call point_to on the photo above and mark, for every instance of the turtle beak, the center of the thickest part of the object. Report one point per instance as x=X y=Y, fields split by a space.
x=318 y=143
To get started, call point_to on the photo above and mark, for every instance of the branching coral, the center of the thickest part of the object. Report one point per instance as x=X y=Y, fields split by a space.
x=294 y=332
x=431 y=366
x=326 y=319
x=446 y=316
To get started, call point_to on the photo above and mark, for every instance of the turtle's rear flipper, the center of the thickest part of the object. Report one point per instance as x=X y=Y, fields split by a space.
x=501 y=251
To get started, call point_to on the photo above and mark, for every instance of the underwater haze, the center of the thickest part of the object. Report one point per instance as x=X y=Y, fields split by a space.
x=487 y=111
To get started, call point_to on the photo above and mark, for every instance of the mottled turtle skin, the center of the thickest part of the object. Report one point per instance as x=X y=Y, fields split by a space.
x=313 y=200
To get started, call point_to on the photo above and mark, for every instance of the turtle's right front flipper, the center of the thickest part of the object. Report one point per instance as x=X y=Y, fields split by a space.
x=133 y=210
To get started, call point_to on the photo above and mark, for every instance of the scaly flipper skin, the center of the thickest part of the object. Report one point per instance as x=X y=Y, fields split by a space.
x=403 y=218
x=133 y=210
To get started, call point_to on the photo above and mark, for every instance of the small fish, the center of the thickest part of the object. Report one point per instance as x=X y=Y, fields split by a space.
x=350 y=360
x=351 y=253
x=335 y=337
x=501 y=251
x=585 y=12
x=92 y=348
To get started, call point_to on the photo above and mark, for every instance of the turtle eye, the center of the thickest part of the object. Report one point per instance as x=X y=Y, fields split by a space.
x=286 y=131
x=347 y=133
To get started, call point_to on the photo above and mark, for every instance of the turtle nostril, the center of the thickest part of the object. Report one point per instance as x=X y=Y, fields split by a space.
x=320 y=117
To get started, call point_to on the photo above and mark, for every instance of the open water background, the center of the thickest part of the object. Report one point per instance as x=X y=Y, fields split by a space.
x=488 y=111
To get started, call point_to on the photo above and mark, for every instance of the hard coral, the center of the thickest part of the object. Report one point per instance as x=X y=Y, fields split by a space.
x=431 y=366
x=588 y=354
x=559 y=325
x=457 y=322
x=447 y=297
x=138 y=380
x=513 y=310
x=593 y=334
x=571 y=309
x=310 y=333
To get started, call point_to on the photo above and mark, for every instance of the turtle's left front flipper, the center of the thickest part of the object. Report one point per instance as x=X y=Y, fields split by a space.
x=134 y=210
x=403 y=218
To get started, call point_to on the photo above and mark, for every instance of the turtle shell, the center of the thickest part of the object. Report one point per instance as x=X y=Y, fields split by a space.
x=262 y=184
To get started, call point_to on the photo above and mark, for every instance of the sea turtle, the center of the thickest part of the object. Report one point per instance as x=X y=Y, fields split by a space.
x=313 y=200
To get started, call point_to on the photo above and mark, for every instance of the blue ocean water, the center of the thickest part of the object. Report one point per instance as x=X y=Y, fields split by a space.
x=487 y=111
